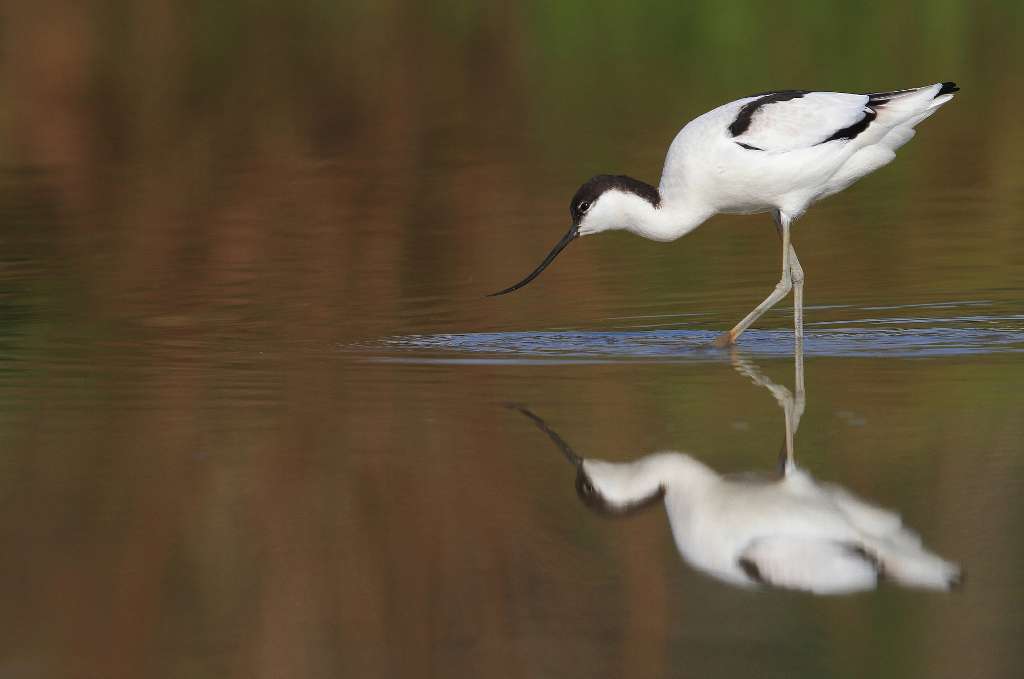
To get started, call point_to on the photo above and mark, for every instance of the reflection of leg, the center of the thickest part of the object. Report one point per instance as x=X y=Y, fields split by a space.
x=784 y=463
x=787 y=410
x=800 y=398
x=782 y=395
x=748 y=368
x=782 y=289
x=796 y=405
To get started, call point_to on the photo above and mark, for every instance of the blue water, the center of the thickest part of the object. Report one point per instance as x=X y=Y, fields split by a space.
x=904 y=335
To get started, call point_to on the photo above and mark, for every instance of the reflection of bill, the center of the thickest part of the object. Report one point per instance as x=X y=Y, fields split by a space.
x=790 y=531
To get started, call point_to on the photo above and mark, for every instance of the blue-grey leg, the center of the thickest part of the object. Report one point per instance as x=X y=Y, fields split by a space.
x=796 y=273
x=782 y=289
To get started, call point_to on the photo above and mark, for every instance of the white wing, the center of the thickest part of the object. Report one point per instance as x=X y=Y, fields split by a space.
x=795 y=119
x=814 y=565
x=871 y=519
x=789 y=120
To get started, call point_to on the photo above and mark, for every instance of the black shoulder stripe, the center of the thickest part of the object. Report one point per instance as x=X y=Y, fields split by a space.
x=749 y=147
x=853 y=130
x=861 y=553
x=746 y=113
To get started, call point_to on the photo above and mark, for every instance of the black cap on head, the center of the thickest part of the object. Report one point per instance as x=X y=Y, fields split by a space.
x=595 y=186
x=593 y=499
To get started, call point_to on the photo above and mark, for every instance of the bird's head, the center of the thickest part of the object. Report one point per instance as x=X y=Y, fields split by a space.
x=617 y=488
x=603 y=203
x=607 y=202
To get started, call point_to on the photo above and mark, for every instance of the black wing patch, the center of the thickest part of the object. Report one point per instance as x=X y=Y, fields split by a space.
x=875 y=101
x=861 y=553
x=752 y=571
x=747 y=111
x=853 y=130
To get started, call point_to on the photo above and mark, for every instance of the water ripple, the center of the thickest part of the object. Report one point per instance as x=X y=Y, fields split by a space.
x=903 y=337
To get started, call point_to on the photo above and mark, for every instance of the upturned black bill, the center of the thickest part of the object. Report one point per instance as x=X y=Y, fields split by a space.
x=566 y=239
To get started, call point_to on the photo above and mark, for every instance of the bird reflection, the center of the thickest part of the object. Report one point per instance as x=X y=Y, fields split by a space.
x=790 y=531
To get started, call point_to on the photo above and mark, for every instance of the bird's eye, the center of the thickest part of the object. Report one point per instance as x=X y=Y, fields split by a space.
x=584 y=206
x=588 y=488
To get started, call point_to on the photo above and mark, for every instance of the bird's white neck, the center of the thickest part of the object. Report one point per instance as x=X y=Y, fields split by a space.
x=670 y=220
x=628 y=483
x=622 y=209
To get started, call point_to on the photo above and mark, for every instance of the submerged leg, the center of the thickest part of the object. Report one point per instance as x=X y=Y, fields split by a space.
x=782 y=289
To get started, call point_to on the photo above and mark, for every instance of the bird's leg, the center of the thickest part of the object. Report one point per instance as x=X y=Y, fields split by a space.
x=782 y=289
x=797 y=274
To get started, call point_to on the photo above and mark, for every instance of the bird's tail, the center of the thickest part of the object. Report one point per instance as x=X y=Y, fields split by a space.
x=902 y=110
x=939 y=93
x=915 y=566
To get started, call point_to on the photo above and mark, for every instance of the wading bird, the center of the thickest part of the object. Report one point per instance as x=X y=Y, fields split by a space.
x=776 y=152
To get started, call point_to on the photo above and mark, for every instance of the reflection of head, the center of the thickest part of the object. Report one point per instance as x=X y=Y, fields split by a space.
x=602 y=496
x=617 y=489
x=606 y=487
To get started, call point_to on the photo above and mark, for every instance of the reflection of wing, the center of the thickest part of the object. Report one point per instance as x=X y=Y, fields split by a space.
x=788 y=120
x=814 y=565
x=917 y=567
x=871 y=519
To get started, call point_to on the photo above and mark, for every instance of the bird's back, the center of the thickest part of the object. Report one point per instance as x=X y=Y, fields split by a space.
x=784 y=150
x=799 y=533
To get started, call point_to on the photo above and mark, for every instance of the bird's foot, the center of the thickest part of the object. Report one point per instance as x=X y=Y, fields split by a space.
x=725 y=340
